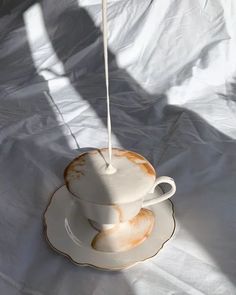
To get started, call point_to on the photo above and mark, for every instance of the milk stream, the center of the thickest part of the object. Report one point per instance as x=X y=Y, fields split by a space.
x=110 y=169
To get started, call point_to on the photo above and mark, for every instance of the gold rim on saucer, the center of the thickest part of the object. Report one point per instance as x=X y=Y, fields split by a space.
x=62 y=195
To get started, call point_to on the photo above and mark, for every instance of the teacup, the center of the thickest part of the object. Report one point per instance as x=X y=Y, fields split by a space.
x=108 y=199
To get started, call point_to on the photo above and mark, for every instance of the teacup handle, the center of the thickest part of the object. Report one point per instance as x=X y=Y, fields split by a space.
x=170 y=193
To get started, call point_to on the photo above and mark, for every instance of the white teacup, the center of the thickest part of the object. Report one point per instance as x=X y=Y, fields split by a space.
x=108 y=199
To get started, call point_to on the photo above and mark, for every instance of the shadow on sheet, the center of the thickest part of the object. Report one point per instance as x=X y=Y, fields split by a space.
x=169 y=136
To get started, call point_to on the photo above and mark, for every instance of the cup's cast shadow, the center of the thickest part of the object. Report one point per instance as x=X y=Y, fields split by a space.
x=71 y=30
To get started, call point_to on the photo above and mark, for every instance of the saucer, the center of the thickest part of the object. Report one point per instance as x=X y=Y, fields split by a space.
x=71 y=234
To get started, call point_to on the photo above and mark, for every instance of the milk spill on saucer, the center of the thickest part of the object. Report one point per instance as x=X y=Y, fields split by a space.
x=110 y=169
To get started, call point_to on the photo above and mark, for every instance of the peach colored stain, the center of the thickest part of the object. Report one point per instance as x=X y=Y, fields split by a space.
x=103 y=234
x=143 y=214
x=129 y=242
x=81 y=161
x=119 y=212
x=135 y=158
x=72 y=168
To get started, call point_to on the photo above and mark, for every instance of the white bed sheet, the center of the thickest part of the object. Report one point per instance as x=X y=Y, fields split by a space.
x=173 y=99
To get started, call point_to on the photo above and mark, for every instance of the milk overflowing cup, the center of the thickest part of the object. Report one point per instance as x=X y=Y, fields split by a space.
x=108 y=199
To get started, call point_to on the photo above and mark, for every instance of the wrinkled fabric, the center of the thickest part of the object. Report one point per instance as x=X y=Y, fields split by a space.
x=173 y=99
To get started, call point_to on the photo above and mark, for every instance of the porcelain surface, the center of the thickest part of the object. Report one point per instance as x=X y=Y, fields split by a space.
x=134 y=177
x=71 y=234
x=114 y=198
